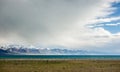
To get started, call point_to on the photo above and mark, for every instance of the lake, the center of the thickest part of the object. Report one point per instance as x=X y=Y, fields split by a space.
x=117 y=57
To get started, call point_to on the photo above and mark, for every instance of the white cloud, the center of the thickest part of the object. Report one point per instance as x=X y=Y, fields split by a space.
x=55 y=23
x=102 y=20
x=111 y=24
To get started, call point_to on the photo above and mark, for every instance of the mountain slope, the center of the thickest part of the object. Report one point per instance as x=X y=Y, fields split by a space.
x=3 y=52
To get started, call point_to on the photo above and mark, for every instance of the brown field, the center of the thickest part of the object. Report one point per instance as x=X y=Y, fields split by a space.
x=59 y=65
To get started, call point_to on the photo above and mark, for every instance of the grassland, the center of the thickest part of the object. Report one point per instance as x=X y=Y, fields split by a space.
x=59 y=65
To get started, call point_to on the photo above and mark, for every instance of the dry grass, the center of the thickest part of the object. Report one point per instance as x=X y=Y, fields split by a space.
x=59 y=65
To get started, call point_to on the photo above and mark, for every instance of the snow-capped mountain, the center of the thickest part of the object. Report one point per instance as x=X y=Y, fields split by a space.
x=17 y=49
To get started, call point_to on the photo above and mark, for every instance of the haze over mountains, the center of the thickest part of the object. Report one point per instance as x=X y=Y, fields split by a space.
x=18 y=50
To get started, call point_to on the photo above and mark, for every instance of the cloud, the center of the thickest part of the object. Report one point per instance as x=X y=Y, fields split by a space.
x=54 y=22
x=103 y=20
x=111 y=24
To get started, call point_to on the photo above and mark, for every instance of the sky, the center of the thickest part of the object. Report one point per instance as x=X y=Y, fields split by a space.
x=74 y=24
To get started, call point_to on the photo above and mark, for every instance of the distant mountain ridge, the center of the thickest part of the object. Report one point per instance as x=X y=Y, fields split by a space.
x=17 y=49
x=3 y=52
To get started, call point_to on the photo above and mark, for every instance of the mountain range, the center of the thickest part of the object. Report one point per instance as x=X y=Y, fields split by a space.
x=17 y=50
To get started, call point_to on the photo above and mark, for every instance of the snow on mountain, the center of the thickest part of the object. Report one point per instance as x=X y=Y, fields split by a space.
x=18 y=49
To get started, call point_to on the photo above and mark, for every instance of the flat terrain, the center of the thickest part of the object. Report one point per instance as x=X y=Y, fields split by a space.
x=59 y=65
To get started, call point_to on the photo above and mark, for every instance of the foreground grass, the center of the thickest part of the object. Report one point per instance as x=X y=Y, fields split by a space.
x=59 y=65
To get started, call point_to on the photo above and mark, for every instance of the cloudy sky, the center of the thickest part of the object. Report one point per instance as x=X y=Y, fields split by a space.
x=75 y=24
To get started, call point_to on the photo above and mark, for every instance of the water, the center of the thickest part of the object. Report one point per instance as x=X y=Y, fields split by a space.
x=117 y=57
